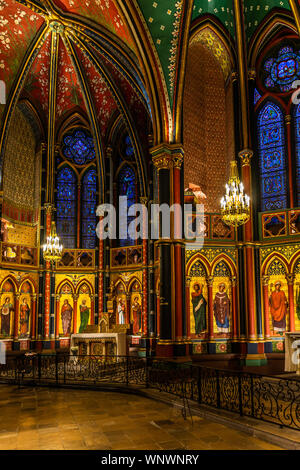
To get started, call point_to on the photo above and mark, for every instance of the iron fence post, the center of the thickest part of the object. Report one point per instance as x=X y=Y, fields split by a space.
x=199 y=384
x=64 y=369
x=218 y=389
x=147 y=373
x=252 y=395
x=39 y=366
x=240 y=394
x=56 y=369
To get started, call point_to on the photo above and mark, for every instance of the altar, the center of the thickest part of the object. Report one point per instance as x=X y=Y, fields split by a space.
x=98 y=344
x=292 y=352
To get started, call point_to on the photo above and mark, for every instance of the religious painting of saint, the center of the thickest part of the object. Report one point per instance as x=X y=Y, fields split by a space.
x=278 y=308
x=136 y=315
x=6 y=311
x=66 y=317
x=24 y=318
x=121 y=311
x=222 y=309
x=84 y=316
x=199 y=308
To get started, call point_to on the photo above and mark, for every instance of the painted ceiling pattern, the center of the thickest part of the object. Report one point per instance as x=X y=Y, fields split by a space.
x=103 y=12
x=256 y=11
x=210 y=41
x=18 y=26
x=163 y=20
x=222 y=9
x=102 y=97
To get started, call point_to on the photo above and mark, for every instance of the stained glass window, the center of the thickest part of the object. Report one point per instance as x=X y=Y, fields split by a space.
x=127 y=187
x=257 y=96
x=129 y=148
x=283 y=70
x=272 y=157
x=88 y=209
x=78 y=147
x=66 y=206
x=297 y=139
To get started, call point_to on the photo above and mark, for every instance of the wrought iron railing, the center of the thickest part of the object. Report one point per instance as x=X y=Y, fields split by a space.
x=267 y=398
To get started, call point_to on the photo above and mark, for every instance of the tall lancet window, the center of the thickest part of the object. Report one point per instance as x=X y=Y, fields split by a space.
x=88 y=205
x=127 y=187
x=66 y=206
x=297 y=140
x=272 y=159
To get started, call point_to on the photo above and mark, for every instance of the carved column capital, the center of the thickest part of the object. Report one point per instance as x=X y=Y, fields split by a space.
x=245 y=156
x=265 y=280
x=290 y=278
x=210 y=281
x=252 y=74
x=233 y=281
x=288 y=119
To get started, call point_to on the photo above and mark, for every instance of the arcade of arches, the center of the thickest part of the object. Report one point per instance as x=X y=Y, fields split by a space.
x=150 y=100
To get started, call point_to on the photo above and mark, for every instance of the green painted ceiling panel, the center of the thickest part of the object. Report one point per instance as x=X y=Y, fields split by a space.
x=256 y=11
x=163 y=20
x=222 y=9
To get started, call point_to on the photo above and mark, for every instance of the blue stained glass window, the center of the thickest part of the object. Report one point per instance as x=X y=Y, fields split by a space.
x=66 y=203
x=272 y=159
x=129 y=147
x=297 y=139
x=88 y=209
x=127 y=187
x=282 y=71
x=257 y=96
x=79 y=147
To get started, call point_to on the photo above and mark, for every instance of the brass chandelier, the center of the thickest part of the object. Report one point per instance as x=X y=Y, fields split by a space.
x=52 y=249
x=235 y=205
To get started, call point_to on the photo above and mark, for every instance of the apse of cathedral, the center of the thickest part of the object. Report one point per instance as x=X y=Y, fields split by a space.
x=111 y=108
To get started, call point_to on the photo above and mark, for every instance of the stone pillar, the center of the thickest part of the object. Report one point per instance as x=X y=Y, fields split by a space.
x=167 y=158
x=210 y=281
x=265 y=282
x=290 y=280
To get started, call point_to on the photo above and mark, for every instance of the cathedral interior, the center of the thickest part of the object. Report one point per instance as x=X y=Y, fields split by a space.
x=152 y=100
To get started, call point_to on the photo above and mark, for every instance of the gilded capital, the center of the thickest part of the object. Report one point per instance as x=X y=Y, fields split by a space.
x=144 y=200
x=210 y=281
x=162 y=162
x=245 y=156
x=290 y=278
x=252 y=74
x=288 y=119
x=265 y=280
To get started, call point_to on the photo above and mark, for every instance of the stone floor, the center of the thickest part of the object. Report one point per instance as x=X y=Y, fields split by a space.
x=58 y=419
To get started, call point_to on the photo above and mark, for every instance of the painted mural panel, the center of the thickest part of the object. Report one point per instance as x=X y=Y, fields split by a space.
x=297 y=295
x=84 y=307
x=198 y=301
x=7 y=303
x=121 y=304
x=222 y=300
x=25 y=310
x=278 y=298
x=136 y=308
x=66 y=309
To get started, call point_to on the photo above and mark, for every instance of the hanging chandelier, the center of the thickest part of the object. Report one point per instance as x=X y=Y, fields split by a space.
x=235 y=205
x=52 y=249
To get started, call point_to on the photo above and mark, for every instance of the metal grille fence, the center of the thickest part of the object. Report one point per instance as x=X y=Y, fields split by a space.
x=262 y=397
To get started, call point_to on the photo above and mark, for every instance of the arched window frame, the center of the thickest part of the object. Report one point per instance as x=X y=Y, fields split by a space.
x=125 y=166
x=273 y=178
x=66 y=205
x=83 y=218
